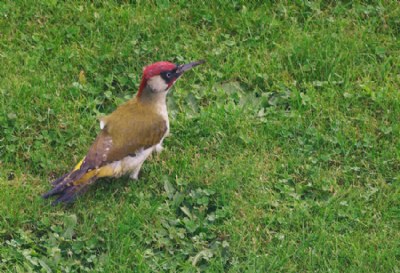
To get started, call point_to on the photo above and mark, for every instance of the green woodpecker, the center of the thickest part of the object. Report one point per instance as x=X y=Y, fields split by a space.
x=128 y=135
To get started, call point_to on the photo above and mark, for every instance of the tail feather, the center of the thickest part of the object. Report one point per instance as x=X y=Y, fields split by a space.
x=76 y=182
x=63 y=178
x=60 y=179
x=70 y=185
x=69 y=194
x=63 y=182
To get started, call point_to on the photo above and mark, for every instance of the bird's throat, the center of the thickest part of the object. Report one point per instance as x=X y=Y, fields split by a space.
x=152 y=99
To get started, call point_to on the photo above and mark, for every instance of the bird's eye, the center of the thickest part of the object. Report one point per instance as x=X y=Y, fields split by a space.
x=169 y=75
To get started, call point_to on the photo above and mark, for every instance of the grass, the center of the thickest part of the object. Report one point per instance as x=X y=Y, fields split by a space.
x=284 y=154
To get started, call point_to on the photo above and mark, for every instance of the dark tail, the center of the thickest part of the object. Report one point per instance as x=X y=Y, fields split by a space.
x=69 y=186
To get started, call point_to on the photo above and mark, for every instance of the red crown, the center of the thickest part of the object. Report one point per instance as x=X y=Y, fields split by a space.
x=154 y=70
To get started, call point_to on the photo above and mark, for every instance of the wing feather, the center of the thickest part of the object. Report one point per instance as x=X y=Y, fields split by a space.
x=119 y=140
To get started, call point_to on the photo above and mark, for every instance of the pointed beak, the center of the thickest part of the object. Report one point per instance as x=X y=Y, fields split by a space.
x=185 y=67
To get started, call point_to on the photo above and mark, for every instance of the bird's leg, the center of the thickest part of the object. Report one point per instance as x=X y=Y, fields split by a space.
x=159 y=148
x=135 y=174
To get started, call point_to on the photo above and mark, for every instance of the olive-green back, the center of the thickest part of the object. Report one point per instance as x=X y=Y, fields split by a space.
x=130 y=128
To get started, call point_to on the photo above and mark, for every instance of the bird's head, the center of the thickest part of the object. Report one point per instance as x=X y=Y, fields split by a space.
x=159 y=77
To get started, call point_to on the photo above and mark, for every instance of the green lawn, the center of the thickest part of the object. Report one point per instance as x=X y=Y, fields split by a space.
x=284 y=153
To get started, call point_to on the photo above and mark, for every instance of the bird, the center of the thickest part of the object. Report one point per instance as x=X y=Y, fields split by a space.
x=127 y=136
